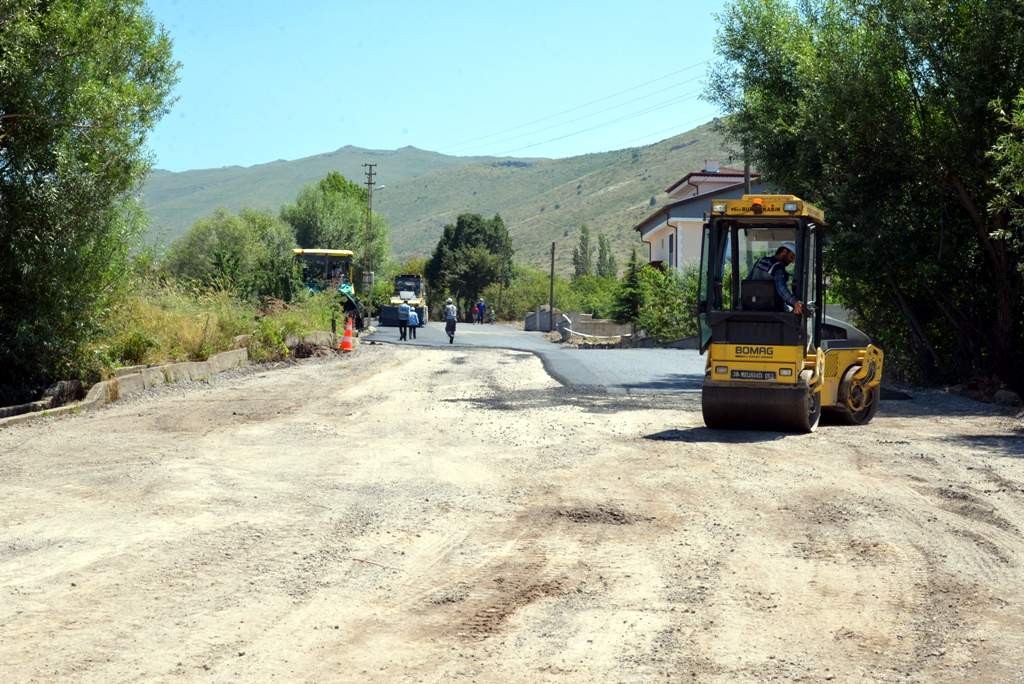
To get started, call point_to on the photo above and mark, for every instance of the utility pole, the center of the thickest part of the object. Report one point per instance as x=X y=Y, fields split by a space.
x=367 y=265
x=551 y=293
x=746 y=169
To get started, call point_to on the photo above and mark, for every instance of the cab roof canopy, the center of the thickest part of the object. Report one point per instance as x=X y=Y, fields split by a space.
x=773 y=206
x=327 y=252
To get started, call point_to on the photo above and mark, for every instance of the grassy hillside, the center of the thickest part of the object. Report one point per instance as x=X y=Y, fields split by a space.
x=176 y=200
x=541 y=200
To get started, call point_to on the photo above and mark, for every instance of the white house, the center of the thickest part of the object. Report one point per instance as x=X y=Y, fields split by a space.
x=672 y=233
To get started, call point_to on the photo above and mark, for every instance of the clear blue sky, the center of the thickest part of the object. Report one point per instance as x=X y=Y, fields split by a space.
x=264 y=80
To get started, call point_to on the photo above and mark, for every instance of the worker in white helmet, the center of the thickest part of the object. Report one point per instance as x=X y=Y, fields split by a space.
x=774 y=268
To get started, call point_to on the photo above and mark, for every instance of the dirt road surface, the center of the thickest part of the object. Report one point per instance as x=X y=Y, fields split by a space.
x=439 y=515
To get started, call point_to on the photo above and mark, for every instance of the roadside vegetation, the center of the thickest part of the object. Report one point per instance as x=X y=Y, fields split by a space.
x=81 y=296
x=83 y=81
x=235 y=274
x=903 y=120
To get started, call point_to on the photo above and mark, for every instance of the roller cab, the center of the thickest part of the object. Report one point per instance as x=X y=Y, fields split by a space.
x=330 y=270
x=767 y=366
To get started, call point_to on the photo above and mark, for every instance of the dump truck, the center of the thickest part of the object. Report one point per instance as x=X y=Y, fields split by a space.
x=767 y=366
x=325 y=270
x=408 y=288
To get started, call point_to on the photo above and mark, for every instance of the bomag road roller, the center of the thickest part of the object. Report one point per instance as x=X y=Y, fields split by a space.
x=768 y=365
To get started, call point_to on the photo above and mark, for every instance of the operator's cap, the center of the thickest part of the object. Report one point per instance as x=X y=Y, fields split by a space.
x=449 y=301
x=791 y=246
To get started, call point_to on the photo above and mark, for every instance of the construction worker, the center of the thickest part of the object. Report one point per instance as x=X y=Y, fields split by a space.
x=451 y=315
x=414 y=322
x=774 y=268
x=403 y=319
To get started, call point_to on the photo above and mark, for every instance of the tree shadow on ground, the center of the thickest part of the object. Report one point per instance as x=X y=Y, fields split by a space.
x=1005 y=445
x=934 y=402
x=700 y=435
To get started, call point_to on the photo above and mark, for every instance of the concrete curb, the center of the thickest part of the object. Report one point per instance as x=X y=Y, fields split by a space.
x=129 y=383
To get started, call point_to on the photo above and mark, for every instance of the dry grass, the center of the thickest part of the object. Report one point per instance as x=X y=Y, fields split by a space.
x=161 y=323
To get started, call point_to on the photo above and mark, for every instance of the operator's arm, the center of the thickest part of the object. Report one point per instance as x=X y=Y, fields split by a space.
x=782 y=289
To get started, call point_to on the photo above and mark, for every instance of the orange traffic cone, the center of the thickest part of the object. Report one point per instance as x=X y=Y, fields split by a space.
x=346 y=340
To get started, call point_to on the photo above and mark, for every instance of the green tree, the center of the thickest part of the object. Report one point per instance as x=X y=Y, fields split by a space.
x=82 y=82
x=526 y=290
x=583 y=254
x=249 y=254
x=880 y=111
x=669 y=302
x=471 y=254
x=1007 y=206
x=413 y=266
x=331 y=214
x=591 y=294
x=606 y=266
x=631 y=295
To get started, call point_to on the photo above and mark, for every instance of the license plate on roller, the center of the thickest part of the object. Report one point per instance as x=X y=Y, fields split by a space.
x=752 y=375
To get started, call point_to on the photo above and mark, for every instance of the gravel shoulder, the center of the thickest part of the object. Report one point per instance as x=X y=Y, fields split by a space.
x=416 y=514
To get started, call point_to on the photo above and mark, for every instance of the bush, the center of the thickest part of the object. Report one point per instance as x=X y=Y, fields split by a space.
x=131 y=350
x=529 y=288
x=668 y=312
x=249 y=254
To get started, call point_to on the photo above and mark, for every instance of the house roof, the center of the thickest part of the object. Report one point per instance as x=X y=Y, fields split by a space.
x=705 y=196
x=724 y=172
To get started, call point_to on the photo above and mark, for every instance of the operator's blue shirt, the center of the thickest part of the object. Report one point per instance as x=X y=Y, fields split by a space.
x=414 y=318
x=770 y=268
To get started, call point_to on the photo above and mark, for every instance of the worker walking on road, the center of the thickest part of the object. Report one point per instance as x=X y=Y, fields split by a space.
x=414 y=322
x=774 y=268
x=403 y=319
x=451 y=314
x=480 y=309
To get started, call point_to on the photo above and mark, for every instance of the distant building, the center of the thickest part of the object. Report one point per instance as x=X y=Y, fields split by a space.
x=672 y=233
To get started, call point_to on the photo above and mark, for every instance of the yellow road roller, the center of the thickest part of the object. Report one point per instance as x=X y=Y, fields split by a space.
x=775 y=361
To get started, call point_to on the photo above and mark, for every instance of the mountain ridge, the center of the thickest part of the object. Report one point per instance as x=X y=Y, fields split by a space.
x=541 y=199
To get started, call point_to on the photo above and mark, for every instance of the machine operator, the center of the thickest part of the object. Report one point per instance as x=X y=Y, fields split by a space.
x=774 y=268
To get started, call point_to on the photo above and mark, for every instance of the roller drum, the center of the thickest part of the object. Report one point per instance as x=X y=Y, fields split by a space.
x=760 y=407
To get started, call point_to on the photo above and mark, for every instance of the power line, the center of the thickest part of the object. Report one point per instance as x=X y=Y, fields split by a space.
x=674 y=127
x=606 y=123
x=581 y=106
x=592 y=114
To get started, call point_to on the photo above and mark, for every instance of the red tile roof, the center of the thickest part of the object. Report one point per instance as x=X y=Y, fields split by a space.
x=725 y=172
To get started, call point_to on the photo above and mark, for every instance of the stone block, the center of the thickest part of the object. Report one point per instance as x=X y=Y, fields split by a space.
x=199 y=370
x=241 y=341
x=64 y=391
x=177 y=372
x=100 y=393
x=152 y=377
x=319 y=339
x=128 y=385
x=228 y=359
x=128 y=370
